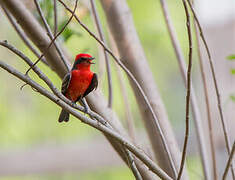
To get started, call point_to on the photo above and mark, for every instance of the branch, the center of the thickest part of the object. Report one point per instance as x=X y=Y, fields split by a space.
x=132 y=165
x=131 y=76
x=208 y=110
x=195 y=108
x=51 y=36
x=224 y=125
x=49 y=33
x=128 y=115
x=229 y=162
x=55 y=17
x=102 y=38
x=22 y=35
x=35 y=33
x=188 y=90
x=95 y=124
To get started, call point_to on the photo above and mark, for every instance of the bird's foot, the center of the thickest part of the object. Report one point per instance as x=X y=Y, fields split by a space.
x=86 y=109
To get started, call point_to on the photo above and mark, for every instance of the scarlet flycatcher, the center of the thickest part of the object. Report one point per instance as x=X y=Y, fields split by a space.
x=78 y=83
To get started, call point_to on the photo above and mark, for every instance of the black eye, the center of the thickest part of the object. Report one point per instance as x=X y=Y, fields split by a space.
x=82 y=59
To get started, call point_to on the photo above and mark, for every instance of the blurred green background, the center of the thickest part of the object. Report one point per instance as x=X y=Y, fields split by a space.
x=28 y=119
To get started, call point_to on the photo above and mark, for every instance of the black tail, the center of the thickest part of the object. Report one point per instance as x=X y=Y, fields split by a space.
x=64 y=116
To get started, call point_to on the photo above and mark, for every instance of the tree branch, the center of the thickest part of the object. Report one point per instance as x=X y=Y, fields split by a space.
x=102 y=38
x=51 y=36
x=132 y=165
x=188 y=90
x=229 y=162
x=208 y=110
x=22 y=35
x=55 y=17
x=35 y=33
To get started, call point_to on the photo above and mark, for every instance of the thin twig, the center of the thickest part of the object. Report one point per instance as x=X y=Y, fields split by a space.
x=55 y=17
x=224 y=125
x=188 y=91
x=127 y=109
x=195 y=108
x=208 y=110
x=22 y=35
x=143 y=157
x=229 y=162
x=102 y=38
x=132 y=165
x=131 y=76
x=130 y=123
x=51 y=36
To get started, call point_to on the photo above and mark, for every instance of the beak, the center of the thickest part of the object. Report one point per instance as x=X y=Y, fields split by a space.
x=91 y=58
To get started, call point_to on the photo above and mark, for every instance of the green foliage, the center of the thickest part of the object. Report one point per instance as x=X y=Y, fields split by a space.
x=232 y=97
x=232 y=71
x=231 y=57
x=68 y=32
x=47 y=8
x=109 y=173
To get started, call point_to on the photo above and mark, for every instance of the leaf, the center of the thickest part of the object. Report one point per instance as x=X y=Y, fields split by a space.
x=232 y=71
x=231 y=57
x=232 y=97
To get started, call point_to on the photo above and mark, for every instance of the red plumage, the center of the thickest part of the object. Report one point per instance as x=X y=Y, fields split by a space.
x=79 y=82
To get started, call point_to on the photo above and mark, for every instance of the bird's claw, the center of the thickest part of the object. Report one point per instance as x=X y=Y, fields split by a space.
x=86 y=109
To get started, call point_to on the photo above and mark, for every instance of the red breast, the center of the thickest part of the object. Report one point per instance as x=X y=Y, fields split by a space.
x=79 y=83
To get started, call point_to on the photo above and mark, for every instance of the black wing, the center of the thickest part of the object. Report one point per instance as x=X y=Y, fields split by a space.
x=93 y=85
x=65 y=83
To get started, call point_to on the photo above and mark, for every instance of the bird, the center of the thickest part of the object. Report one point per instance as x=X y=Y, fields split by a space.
x=78 y=83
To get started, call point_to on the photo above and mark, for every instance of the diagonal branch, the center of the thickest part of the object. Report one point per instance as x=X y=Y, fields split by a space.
x=188 y=90
x=229 y=162
x=102 y=38
x=53 y=40
x=208 y=110
x=22 y=35
x=49 y=32
x=132 y=165
x=35 y=33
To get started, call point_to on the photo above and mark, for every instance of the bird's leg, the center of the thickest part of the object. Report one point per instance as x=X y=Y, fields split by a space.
x=85 y=105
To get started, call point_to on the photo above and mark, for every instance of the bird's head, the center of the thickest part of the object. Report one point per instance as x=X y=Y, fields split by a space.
x=83 y=61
